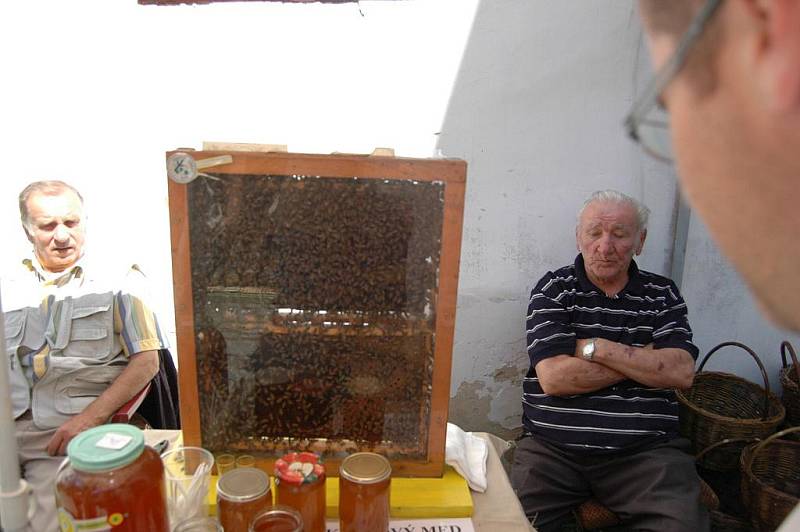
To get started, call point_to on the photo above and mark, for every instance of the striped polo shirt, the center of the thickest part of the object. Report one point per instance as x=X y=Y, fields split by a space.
x=565 y=306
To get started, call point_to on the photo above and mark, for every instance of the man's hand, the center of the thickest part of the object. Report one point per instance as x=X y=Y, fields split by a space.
x=70 y=429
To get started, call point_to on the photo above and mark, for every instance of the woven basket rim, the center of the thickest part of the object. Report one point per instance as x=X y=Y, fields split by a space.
x=786 y=378
x=769 y=490
x=773 y=401
x=747 y=458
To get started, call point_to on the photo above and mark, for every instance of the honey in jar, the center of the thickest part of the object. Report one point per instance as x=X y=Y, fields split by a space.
x=364 y=482
x=112 y=481
x=300 y=484
x=277 y=519
x=241 y=494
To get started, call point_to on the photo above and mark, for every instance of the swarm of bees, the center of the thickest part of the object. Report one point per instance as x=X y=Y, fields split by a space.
x=314 y=308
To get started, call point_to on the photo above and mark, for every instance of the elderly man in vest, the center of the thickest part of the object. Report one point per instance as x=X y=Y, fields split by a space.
x=608 y=343
x=80 y=342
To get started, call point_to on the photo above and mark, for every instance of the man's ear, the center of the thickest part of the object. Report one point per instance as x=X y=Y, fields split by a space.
x=27 y=233
x=640 y=244
x=777 y=54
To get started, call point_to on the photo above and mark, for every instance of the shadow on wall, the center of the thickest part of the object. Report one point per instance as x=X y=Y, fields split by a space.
x=536 y=111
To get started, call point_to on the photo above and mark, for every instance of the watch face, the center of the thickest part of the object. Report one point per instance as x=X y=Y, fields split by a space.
x=588 y=350
x=181 y=168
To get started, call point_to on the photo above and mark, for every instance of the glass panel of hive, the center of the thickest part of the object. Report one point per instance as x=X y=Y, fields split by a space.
x=314 y=311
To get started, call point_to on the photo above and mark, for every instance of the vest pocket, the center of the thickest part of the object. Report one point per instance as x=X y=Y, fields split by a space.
x=20 y=389
x=74 y=391
x=89 y=329
x=14 y=329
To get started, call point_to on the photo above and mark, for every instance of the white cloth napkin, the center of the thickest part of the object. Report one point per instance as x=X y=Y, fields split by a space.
x=467 y=454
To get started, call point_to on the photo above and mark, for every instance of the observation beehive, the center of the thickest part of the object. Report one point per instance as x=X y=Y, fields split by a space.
x=315 y=304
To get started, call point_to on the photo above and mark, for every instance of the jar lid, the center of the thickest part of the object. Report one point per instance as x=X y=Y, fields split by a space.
x=299 y=468
x=365 y=468
x=105 y=448
x=243 y=484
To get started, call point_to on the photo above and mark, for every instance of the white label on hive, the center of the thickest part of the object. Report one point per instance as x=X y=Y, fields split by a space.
x=113 y=441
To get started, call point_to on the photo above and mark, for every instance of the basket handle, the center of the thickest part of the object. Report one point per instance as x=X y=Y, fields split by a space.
x=786 y=346
x=758 y=361
x=767 y=441
x=726 y=441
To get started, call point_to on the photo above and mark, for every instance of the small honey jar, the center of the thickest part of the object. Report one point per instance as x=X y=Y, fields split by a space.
x=300 y=484
x=364 y=482
x=241 y=494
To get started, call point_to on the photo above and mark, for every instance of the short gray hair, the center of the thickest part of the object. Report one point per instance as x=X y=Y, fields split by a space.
x=614 y=196
x=49 y=188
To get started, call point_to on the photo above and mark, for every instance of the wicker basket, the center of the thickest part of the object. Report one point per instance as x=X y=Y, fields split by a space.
x=728 y=515
x=722 y=406
x=790 y=380
x=771 y=479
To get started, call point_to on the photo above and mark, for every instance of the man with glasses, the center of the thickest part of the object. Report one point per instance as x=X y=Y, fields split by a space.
x=728 y=74
x=729 y=77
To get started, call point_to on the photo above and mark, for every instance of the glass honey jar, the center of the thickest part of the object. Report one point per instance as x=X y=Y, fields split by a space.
x=300 y=484
x=277 y=519
x=364 y=482
x=241 y=494
x=112 y=481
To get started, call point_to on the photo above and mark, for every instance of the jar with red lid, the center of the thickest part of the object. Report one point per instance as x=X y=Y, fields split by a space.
x=241 y=494
x=364 y=483
x=300 y=484
x=112 y=481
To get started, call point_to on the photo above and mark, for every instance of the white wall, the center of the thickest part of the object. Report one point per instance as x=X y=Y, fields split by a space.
x=530 y=92
x=95 y=91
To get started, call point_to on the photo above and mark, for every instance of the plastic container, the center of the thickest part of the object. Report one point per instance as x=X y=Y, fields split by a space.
x=300 y=484
x=364 y=482
x=112 y=480
x=277 y=519
x=241 y=494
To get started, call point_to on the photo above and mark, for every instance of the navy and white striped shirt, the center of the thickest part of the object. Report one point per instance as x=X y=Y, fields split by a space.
x=565 y=306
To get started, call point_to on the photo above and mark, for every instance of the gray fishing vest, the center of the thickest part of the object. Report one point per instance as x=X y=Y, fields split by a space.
x=85 y=356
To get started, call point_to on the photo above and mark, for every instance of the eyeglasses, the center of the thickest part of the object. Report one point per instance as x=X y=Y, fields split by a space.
x=648 y=121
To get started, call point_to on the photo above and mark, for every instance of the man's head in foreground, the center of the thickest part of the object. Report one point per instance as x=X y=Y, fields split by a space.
x=734 y=111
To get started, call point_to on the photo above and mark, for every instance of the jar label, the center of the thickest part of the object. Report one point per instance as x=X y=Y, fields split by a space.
x=95 y=524
x=113 y=441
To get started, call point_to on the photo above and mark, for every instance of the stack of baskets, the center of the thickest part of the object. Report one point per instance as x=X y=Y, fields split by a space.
x=729 y=515
x=722 y=406
x=771 y=479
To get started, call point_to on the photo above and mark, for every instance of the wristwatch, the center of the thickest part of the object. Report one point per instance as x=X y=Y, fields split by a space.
x=588 y=350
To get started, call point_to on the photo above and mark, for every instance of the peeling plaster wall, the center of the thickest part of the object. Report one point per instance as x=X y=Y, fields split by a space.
x=537 y=110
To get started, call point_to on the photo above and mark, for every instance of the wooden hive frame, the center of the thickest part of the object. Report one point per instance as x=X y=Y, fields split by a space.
x=450 y=172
